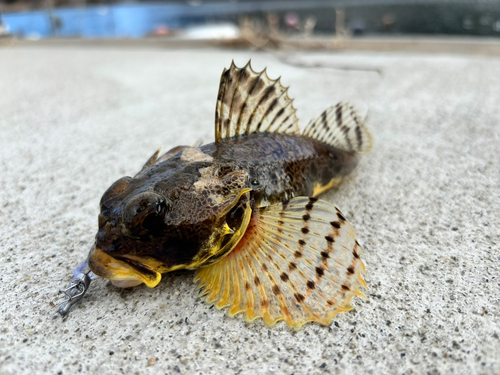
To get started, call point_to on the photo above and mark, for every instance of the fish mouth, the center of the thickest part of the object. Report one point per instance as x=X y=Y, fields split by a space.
x=123 y=272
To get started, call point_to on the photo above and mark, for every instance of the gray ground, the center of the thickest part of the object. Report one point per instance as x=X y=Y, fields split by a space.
x=425 y=204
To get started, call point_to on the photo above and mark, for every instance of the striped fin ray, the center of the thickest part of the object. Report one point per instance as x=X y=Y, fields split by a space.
x=299 y=262
x=341 y=127
x=250 y=102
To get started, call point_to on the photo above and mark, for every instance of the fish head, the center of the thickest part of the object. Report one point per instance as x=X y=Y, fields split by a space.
x=151 y=225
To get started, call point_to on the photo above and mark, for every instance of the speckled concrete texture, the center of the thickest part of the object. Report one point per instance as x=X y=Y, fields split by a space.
x=425 y=203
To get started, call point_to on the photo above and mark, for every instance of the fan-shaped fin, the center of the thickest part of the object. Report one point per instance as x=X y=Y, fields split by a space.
x=340 y=127
x=250 y=102
x=299 y=261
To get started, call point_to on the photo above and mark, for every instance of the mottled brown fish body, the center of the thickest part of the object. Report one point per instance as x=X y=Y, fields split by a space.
x=282 y=166
x=274 y=167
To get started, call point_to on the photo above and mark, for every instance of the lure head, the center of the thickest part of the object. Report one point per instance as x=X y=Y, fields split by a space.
x=167 y=219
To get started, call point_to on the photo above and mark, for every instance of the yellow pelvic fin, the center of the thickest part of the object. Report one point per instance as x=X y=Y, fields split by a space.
x=320 y=189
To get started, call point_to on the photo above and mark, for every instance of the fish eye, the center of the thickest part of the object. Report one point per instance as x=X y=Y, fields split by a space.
x=155 y=218
x=145 y=213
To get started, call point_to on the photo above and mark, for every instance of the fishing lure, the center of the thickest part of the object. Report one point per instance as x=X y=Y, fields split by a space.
x=243 y=211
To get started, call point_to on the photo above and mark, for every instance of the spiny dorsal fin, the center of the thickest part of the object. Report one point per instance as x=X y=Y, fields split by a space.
x=172 y=152
x=250 y=102
x=298 y=261
x=340 y=127
x=151 y=161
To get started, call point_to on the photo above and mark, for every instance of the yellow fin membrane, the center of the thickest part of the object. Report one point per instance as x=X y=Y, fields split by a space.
x=299 y=261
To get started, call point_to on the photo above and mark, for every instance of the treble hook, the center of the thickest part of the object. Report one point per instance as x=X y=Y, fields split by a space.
x=76 y=289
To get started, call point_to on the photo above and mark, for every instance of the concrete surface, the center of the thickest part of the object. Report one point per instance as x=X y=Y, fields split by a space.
x=469 y=45
x=425 y=204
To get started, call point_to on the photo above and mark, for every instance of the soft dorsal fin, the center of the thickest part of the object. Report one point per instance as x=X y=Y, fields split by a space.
x=250 y=102
x=341 y=127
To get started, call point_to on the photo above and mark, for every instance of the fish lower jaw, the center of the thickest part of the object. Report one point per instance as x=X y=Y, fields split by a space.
x=125 y=283
x=123 y=273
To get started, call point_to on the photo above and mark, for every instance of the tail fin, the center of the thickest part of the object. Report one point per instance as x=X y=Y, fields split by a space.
x=340 y=126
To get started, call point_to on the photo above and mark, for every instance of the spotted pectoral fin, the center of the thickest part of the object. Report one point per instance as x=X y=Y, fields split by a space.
x=299 y=261
x=341 y=127
x=250 y=102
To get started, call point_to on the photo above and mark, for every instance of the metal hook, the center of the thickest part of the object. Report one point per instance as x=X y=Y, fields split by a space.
x=75 y=291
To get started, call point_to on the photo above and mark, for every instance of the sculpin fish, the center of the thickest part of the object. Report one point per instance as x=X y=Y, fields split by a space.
x=244 y=211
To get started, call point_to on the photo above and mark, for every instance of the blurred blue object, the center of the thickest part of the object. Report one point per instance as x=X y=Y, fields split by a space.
x=137 y=20
x=103 y=21
x=134 y=20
